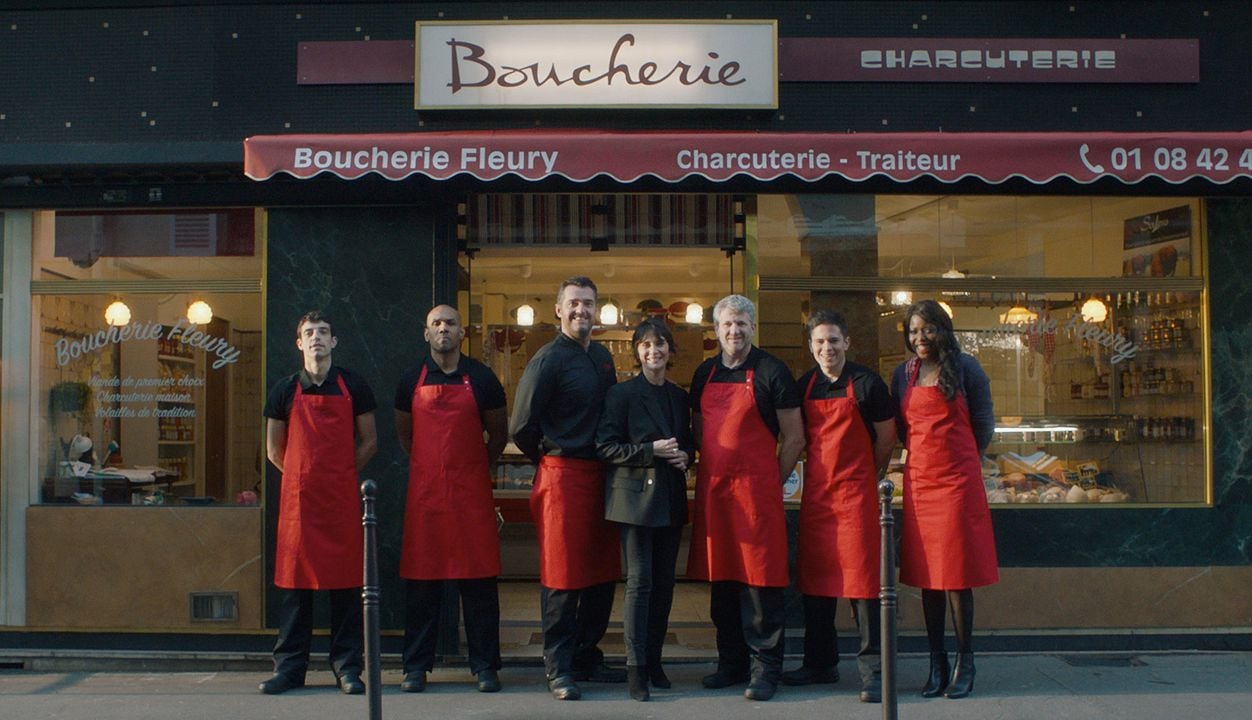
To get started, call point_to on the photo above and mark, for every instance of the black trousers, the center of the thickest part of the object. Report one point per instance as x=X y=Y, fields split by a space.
x=295 y=632
x=574 y=622
x=651 y=556
x=749 y=622
x=820 y=648
x=480 y=606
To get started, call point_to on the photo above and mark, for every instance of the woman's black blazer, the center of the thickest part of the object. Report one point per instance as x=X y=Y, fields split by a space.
x=640 y=489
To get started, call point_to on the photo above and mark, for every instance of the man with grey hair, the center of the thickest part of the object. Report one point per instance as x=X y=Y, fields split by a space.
x=746 y=418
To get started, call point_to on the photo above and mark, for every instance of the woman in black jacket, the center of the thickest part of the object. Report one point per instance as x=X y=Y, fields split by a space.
x=645 y=438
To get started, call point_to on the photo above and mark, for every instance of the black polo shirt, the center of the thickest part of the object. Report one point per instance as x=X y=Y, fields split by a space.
x=873 y=398
x=772 y=385
x=278 y=404
x=488 y=392
x=559 y=399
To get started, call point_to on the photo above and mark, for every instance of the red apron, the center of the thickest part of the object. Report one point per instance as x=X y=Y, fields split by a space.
x=740 y=531
x=946 y=538
x=449 y=514
x=578 y=548
x=320 y=541
x=839 y=544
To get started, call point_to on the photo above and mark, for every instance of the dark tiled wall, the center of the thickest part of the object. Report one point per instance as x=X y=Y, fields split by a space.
x=370 y=270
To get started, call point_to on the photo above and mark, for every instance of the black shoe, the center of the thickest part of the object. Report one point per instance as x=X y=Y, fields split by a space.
x=871 y=690
x=637 y=680
x=601 y=673
x=488 y=680
x=658 y=678
x=413 y=682
x=805 y=675
x=563 y=687
x=962 y=677
x=938 y=678
x=724 y=678
x=761 y=688
x=279 y=684
x=350 y=683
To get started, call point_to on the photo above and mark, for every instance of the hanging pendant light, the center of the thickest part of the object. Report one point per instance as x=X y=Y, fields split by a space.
x=525 y=315
x=609 y=314
x=1094 y=310
x=1017 y=315
x=946 y=308
x=199 y=313
x=694 y=313
x=117 y=314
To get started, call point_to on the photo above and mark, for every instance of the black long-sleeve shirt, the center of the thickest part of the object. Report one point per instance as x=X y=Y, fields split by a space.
x=559 y=399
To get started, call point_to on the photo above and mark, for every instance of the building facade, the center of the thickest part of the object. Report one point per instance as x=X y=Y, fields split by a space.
x=1071 y=179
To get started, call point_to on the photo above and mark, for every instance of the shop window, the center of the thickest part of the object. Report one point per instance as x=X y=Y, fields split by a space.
x=148 y=358
x=1086 y=313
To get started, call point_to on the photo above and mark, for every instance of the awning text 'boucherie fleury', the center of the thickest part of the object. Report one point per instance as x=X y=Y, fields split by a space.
x=581 y=155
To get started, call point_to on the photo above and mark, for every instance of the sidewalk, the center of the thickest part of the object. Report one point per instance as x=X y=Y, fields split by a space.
x=1145 y=686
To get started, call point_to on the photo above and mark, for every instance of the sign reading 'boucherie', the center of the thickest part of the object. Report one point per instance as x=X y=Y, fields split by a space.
x=727 y=64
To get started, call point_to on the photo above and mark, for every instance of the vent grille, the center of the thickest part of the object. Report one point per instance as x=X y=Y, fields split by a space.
x=214 y=606
x=194 y=235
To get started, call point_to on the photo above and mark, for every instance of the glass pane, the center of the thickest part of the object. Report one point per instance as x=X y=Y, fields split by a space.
x=146 y=245
x=149 y=408
x=1106 y=397
x=926 y=236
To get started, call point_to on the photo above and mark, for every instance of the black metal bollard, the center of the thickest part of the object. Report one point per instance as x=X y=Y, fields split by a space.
x=887 y=598
x=369 y=601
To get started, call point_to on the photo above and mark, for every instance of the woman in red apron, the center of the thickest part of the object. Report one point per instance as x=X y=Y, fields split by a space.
x=947 y=545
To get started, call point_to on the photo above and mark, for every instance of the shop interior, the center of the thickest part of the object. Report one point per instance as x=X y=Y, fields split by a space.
x=158 y=408
x=1096 y=363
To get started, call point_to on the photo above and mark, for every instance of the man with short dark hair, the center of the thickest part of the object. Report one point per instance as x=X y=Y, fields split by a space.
x=319 y=434
x=558 y=404
x=444 y=406
x=746 y=417
x=849 y=419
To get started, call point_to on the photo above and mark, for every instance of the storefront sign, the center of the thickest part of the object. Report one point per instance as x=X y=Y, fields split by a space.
x=728 y=64
x=581 y=155
x=183 y=333
x=1013 y=60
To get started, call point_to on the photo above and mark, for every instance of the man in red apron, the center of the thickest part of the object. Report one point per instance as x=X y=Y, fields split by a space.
x=319 y=434
x=746 y=417
x=849 y=419
x=444 y=405
x=555 y=412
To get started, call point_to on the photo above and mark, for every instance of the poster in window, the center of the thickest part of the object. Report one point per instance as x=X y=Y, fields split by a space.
x=1158 y=244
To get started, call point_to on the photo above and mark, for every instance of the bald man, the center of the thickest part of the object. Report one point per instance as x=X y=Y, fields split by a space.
x=451 y=420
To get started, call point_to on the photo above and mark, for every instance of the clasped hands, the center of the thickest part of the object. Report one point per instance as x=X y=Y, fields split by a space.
x=668 y=449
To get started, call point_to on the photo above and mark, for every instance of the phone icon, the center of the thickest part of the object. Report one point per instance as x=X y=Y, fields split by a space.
x=1082 y=155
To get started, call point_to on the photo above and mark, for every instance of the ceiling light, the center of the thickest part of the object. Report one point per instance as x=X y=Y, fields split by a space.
x=1018 y=315
x=117 y=314
x=901 y=297
x=608 y=314
x=694 y=313
x=199 y=313
x=946 y=308
x=525 y=315
x=1094 y=310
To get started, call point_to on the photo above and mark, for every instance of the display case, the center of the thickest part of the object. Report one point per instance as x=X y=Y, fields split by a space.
x=1118 y=406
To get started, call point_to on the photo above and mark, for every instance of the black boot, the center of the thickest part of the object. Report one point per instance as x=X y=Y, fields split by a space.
x=658 y=678
x=637 y=682
x=962 y=677
x=939 y=673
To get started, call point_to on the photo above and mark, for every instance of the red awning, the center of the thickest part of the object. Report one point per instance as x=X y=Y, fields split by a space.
x=581 y=155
